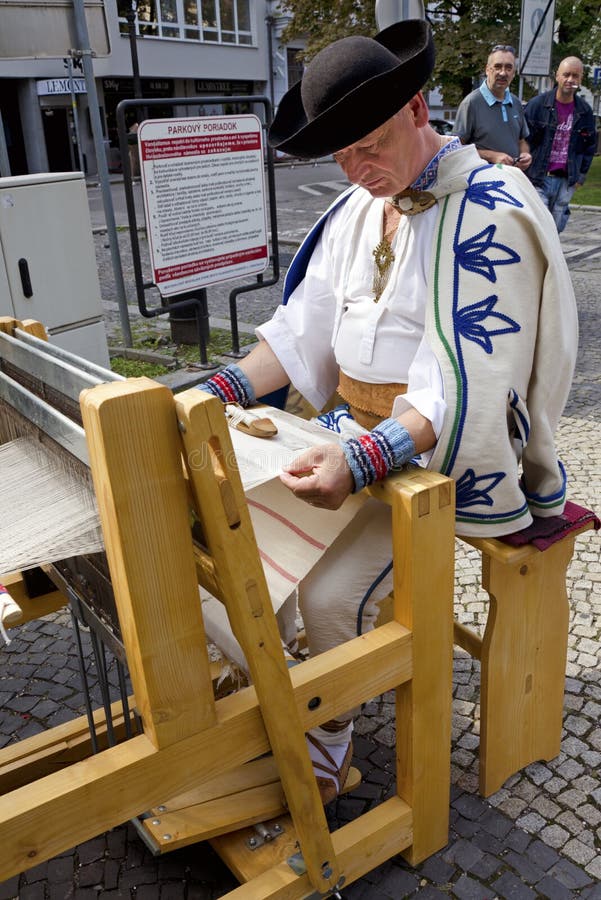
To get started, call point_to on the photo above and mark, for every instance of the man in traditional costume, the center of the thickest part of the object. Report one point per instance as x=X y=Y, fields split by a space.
x=435 y=297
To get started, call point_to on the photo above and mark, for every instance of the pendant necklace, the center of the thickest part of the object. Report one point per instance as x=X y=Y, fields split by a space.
x=408 y=203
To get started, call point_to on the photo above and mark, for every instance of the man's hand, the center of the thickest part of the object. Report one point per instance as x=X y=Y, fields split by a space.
x=320 y=476
x=523 y=161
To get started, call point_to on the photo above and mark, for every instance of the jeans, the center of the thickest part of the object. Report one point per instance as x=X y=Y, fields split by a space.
x=556 y=195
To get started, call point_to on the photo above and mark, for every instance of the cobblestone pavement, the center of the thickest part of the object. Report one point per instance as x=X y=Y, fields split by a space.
x=539 y=836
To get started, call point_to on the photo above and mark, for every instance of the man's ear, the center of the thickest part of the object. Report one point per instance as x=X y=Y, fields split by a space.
x=419 y=110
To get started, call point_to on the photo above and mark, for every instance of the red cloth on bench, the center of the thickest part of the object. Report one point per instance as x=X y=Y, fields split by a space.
x=545 y=532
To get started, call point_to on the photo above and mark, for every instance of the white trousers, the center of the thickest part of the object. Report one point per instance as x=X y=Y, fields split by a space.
x=331 y=598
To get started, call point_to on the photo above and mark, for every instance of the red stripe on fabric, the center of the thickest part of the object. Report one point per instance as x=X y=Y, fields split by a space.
x=224 y=385
x=271 y=562
x=375 y=455
x=274 y=515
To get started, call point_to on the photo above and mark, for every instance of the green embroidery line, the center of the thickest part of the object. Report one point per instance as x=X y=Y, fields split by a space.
x=444 y=341
x=495 y=521
x=551 y=504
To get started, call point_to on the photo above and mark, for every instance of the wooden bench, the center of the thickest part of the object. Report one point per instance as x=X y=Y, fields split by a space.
x=523 y=654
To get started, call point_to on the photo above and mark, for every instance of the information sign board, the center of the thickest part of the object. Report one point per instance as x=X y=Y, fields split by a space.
x=204 y=198
x=536 y=36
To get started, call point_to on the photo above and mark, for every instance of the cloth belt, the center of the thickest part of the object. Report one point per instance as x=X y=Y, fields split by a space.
x=558 y=173
x=369 y=403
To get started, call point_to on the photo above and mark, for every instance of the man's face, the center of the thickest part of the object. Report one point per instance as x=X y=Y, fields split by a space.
x=569 y=78
x=500 y=70
x=385 y=161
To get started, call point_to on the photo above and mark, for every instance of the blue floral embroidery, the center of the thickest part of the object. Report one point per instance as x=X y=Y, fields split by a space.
x=473 y=489
x=470 y=319
x=489 y=193
x=332 y=420
x=473 y=254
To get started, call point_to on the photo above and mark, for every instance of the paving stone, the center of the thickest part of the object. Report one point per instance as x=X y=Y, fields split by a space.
x=469 y=807
x=532 y=822
x=552 y=889
x=110 y=878
x=486 y=867
x=572 y=876
x=592 y=893
x=464 y=854
x=91 y=874
x=398 y=882
x=32 y=891
x=555 y=835
x=579 y=852
x=488 y=843
x=518 y=840
x=570 y=821
x=495 y=823
x=465 y=828
x=429 y=893
x=437 y=870
x=61 y=891
x=61 y=868
x=9 y=889
x=541 y=854
x=173 y=891
x=594 y=868
x=467 y=888
x=513 y=807
x=524 y=867
x=510 y=887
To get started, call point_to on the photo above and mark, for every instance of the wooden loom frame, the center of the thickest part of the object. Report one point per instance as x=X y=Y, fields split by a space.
x=139 y=436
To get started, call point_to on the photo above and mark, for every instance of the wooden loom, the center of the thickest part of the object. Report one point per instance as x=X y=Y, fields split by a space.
x=153 y=456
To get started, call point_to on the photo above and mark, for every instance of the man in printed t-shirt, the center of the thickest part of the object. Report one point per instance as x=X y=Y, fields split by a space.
x=562 y=140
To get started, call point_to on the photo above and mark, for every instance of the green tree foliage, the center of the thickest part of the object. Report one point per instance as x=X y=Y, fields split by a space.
x=464 y=30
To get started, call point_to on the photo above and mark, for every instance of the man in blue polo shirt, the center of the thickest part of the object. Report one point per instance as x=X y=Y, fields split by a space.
x=491 y=117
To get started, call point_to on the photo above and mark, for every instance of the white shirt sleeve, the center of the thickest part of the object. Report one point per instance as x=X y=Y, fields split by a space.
x=300 y=333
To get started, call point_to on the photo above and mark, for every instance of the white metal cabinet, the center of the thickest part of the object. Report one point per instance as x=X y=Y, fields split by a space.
x=48 y=266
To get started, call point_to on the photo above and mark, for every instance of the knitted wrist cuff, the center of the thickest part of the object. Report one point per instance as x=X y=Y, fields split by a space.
x=231 y=386
x=372 y=456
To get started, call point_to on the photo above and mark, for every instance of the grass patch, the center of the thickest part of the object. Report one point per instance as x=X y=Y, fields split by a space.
x=220 y=342
x=135 y=368
x=145 y=337
x=590 y=192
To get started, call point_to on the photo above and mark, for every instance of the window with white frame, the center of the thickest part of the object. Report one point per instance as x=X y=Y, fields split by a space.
x=209 y=21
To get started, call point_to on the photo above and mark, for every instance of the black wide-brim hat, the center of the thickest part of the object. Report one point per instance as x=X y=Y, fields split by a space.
x=352 y=87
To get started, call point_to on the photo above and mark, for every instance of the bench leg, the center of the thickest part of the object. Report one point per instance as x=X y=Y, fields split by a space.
x=524 y=654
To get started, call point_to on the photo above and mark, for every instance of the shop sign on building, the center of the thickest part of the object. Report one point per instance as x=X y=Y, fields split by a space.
x=60 y=86
x=204 y=199
x=217 y=87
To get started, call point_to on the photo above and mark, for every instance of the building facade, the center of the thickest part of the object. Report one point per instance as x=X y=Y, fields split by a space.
x=183 y=49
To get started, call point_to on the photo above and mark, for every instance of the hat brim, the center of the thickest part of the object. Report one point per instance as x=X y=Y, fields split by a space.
x=363 y=109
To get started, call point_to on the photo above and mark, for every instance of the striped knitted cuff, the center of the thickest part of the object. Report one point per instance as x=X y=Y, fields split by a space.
x=231 y=386
x=371 y=456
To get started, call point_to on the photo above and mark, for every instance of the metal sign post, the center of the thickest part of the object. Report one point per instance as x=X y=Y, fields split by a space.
x=85 y=52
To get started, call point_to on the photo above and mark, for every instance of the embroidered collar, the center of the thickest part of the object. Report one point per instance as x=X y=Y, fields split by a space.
x=430 y=174
x=490 y=97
